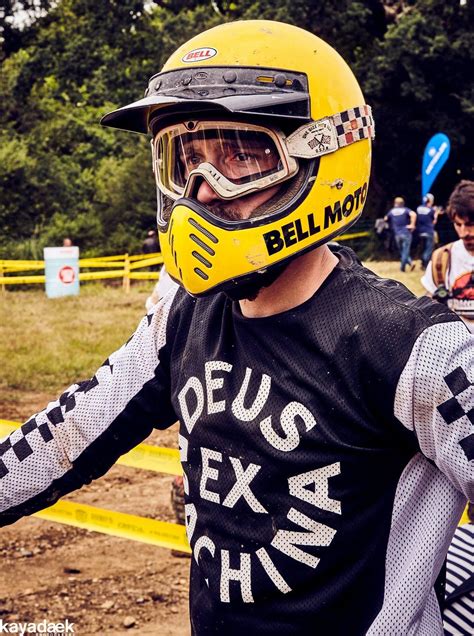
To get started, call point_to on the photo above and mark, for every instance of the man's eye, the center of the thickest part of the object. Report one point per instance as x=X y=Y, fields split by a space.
x=193 y=160
x=244 y=157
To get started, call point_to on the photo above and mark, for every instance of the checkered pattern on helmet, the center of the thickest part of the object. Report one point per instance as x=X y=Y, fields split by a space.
x=354 y=124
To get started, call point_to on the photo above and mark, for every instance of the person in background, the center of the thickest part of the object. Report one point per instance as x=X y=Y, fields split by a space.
x=444 y=230
x=449 y=276
x=458 y=610
x=425 y=222
x=383 y=233
x=151 y=245
x=402 y=222
x=67 y=242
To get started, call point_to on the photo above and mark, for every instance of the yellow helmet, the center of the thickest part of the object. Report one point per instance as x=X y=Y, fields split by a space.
x=256 y=84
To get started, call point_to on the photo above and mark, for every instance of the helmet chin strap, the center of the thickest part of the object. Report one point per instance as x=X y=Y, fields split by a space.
x=250 y=290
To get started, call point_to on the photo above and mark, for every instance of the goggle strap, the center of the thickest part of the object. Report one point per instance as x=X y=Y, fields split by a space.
x=327 y=135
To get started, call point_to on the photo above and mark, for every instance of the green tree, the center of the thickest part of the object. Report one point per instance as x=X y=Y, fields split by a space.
x=417 y=85
x=74 y=60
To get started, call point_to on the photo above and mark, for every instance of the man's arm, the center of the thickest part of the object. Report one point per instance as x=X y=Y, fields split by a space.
x=435 y=399
x=427 y=280
x=81 y=435
x=412 y=224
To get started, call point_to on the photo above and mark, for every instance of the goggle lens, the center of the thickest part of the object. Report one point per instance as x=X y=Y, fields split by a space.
x=242 y=155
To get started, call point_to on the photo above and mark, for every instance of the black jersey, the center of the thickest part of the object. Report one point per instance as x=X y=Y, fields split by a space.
x=327 y=451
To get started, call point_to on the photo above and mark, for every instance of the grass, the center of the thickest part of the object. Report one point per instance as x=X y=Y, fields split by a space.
x=391 y=269
x=45 y=345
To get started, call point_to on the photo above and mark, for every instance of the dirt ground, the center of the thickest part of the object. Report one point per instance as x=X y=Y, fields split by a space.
x=103 y=584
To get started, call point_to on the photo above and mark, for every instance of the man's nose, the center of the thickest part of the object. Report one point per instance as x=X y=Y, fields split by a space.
x=206 y=194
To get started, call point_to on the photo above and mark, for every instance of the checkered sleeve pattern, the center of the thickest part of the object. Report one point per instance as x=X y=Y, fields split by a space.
x=79 y=436
x=435 y=399
x=354 y=124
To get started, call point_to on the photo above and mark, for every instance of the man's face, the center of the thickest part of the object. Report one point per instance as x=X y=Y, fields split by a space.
x=464 y=227
x=236 y=209
x=237 y=162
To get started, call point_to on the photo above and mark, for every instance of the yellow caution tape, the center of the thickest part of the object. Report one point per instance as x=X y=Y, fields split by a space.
x=146 y=262
x=7 y=426
x=21 y=280
x=92 y=262
x=119 y=257
x=347 y=237
x=19 y=263
x=117 y=266
x=137 y=257
x=21 y=268
x=144 y=276
x=118 y=524
x=156 y=458
x=98 y=275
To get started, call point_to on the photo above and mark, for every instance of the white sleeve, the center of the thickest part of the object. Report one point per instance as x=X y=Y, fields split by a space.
x=427 y=280
x=435 y=399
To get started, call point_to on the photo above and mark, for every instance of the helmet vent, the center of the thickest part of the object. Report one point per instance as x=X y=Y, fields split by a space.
x=172 y=243
x=204 y=246
x=203 y=230
x=200 y=273
x=201 y=259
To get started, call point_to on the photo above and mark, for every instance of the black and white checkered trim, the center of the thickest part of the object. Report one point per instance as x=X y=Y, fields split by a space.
x=460 y=405
x=354 y=124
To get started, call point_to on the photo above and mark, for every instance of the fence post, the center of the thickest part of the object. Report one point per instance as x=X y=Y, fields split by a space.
x=126 y=274
x=2 y=273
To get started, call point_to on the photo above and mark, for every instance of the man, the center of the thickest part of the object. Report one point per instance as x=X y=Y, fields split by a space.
x=425 y=222
x=450 y=275
x=402 y=222
x=324 y=432
x=150 y=244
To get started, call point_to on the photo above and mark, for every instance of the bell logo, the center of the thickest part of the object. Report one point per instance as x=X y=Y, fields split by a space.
x=199 y=55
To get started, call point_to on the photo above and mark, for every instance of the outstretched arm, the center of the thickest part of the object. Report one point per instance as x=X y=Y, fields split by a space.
x=81 y=435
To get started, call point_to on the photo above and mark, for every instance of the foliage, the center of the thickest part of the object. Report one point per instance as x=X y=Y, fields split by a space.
x=71 y=61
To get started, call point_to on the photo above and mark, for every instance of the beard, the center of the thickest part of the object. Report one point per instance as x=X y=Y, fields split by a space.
x=226 y=212
x=220 y=210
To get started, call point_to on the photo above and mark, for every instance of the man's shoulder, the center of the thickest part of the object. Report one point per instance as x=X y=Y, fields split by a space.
x=186 y=308
x=459 y=251
x=387 y=303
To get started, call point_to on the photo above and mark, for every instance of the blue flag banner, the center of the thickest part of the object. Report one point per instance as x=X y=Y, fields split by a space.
x=435 y=156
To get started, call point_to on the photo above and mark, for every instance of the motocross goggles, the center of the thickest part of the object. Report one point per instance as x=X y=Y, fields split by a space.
x=234 y=158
